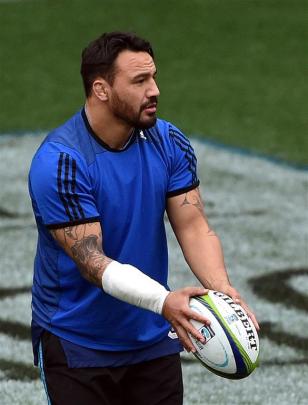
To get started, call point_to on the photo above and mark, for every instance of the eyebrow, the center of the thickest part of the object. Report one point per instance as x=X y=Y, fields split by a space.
x=145 y=74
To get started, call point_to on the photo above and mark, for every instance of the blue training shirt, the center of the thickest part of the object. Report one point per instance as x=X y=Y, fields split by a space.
x=75 y=178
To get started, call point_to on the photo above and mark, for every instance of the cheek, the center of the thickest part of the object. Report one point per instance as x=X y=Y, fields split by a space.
x=133 y=93
x=131 y=98
x=136 y=95
x=135 y=101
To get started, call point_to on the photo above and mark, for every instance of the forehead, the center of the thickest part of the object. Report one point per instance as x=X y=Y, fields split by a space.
x=133 y=63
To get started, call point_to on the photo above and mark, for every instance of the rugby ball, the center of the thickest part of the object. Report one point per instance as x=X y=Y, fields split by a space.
x=231 y=348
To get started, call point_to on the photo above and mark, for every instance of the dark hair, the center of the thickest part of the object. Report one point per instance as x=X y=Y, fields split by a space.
x=98 y=58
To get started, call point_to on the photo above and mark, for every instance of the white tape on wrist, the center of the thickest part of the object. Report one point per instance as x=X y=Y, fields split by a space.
x=129 y=284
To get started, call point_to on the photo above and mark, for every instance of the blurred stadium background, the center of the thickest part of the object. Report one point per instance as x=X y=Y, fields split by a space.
x=232 y=75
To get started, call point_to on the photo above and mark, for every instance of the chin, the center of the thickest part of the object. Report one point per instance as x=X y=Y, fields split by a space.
x=145 y=124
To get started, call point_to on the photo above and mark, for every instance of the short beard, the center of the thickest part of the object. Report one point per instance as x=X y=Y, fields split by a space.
x=123 y=111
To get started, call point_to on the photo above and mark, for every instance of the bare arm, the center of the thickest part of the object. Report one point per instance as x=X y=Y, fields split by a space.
x=200 y=245
x=83 y=243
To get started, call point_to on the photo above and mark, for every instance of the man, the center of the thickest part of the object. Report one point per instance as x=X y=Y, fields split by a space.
x=100 y=185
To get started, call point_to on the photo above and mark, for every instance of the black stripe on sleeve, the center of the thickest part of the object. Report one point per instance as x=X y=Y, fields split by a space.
x=180 y=136
x=67 y=183
x=59 y=184
x=184 y=144
x=73 y=223
x=191 y=159
x=182 y=190
x=188 y=150
x=75 y=196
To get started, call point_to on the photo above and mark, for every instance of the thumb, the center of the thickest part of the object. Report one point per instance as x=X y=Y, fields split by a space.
x=194 y=291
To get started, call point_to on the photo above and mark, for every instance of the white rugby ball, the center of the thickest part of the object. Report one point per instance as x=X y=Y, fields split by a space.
x=231 y=349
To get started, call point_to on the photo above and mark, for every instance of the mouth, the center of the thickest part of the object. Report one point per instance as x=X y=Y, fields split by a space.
x=150 y=108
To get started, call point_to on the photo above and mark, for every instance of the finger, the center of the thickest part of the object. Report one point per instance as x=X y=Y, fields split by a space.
x=191 y=314
x=184 y=338
x=245 y=308
x=236 y=298
x=252 y=316
x=195 y=291
x=189 y=328
x=243 y=305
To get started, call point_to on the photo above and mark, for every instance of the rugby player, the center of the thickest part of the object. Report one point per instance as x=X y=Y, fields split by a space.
x=106 y=328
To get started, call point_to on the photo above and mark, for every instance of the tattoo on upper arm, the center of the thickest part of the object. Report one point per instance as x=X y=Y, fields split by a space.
x=194 y=200
x=68 y=233
x=185 y=202
x=71 y=232
x=89 y=255
x=85 y=249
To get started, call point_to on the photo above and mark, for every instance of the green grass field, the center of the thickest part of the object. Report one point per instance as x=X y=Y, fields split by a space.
x=229 y=70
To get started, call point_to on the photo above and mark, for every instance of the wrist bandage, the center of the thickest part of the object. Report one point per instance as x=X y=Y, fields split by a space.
x=129 y=284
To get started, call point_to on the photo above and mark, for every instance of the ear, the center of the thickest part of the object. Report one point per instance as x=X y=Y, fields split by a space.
x=101 y=89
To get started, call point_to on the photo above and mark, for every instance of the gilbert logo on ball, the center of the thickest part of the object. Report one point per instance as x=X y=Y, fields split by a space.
x=231 y=349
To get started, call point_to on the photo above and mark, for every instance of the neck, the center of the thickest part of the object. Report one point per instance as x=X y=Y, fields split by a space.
x=110 y=130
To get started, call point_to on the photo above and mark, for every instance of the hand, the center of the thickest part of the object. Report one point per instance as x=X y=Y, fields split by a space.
x=177 y=311
x=233 y=293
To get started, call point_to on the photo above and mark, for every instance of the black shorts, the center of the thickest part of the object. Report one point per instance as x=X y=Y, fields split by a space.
x=154 y=382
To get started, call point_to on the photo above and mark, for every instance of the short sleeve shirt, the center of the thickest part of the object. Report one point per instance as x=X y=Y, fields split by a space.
x=75 y=178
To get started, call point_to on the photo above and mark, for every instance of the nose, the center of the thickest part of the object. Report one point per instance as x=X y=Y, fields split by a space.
x=153 y=90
